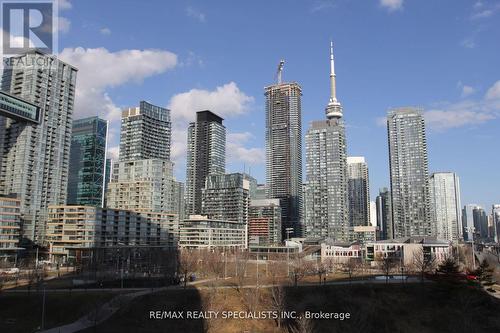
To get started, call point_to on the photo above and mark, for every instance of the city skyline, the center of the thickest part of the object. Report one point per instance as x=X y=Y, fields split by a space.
x=186 y=62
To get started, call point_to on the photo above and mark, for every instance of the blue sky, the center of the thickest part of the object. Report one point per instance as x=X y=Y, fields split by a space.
x=440 y=55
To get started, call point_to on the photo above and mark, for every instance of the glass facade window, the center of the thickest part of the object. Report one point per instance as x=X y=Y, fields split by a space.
x=87 y=164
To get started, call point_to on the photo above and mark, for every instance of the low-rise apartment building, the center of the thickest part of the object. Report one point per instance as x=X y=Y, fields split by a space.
x=201 y=232
x=264 y=222
x=76 y=227
x=10 y=226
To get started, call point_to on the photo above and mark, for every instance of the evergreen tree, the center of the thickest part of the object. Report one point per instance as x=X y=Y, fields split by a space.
x=485 y=274
x=449 y=267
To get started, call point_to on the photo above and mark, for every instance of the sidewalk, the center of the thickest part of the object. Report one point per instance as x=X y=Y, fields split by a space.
x=108 y=309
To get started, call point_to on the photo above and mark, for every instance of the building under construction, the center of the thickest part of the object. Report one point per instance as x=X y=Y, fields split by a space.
x=284 y=149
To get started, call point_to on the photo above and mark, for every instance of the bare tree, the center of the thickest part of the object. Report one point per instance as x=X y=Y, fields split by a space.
x=216 y=263
x=241 y=262
x=210 y=300
x=277 y=302
x=321 y=269
x=303 y=325
x=188 y=263
x=276 y=268
x=330 y=265
x=386 y=264
x=423 y=264
x=251 y=298
x=298 y=269
x=351 y=267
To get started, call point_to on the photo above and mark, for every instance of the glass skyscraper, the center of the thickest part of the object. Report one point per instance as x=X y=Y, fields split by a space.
x=326 y=191
x=206 y=155
x=87 y=162
x=359 y=191
x=495 y=213
x=145 y=133
x=227 y=197
x=409 y=171
x=446 y=207
x=284 y=151
x=34 y=158
x=384 y=214
x=142 y=180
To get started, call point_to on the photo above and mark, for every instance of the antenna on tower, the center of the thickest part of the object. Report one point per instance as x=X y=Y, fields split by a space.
x=280 y=70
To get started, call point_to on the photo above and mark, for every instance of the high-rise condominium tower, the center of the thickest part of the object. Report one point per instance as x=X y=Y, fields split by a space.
x=145 y=133
x=142 y=185
x=87 y=162
x=468 y=223
x=326 y=202
x=445 y=206
x=359 y=191
x=409 y=171
x=206 y=155
x=143 y=179
x=384 y=214
x=495 y=213
x=480 y=223
x=34 y=156
x=227 y=196
x=284 y=150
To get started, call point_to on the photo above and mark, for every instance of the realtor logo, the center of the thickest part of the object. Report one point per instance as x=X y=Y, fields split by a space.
x=28 y=26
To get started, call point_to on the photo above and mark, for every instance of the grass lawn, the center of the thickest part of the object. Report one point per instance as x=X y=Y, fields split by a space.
x=373 y=308
x=20 y=312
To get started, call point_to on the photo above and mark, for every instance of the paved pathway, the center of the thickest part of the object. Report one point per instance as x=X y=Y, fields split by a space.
x=111 y=307
x=107 y=309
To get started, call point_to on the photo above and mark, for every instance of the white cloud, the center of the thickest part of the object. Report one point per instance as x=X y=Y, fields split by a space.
x=392 y=5
x=483 y=11
x=105 y=31
x=63 y=24
x=192 y=59
x=381 y=121
x=113 y=153
x=465 y=89
x=493 y=93
x=237 y=152
x=456 y=117
x=64 y=4
x=196 y=14
x=482 y=14
x=100 y=69
x=226 y=101
x=467 y=112
x=322 y=5
x=468 y=43
x=464 y=113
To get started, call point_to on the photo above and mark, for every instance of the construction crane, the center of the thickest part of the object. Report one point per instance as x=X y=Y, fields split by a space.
x=280 y=70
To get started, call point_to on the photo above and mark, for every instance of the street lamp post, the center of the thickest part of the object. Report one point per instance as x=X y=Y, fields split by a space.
x=43 y=308
x=472 y=230
x=288 y=232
